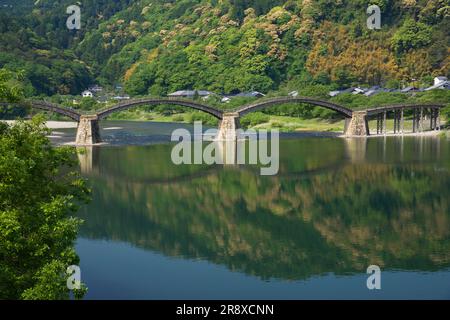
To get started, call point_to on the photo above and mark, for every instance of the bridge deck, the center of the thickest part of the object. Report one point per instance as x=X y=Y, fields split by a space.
x=241 y=111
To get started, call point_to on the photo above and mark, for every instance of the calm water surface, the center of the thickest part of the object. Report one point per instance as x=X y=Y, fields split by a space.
x=159 y=231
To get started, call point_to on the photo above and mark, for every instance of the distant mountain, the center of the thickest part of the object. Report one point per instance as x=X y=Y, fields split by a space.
x=230 y=46
x=159 y=46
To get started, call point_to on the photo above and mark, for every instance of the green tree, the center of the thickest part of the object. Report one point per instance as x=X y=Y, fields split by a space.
x=411 y=35
x=88 y=103
x=38 y=196
x=11 y=90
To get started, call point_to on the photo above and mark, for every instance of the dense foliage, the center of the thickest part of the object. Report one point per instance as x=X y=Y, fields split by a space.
x=37 y=233
x=159 y=46
x=34 y=38
x=11 y=90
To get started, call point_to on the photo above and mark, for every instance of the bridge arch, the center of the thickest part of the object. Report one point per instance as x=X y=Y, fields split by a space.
x=47 y=106
x=346 y=112
x=155 y=101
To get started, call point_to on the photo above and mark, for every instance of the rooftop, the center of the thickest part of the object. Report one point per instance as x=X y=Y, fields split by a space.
x=190 y=93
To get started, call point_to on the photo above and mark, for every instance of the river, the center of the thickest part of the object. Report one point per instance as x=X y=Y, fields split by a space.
x=155 y=230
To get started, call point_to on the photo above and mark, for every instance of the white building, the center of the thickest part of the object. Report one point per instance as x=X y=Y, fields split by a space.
x=226 y=100
x=87 y=94
x=440 y=83
x=440 y=80
x=358 y=91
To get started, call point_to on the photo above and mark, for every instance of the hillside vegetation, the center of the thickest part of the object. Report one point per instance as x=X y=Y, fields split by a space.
x=155 y=47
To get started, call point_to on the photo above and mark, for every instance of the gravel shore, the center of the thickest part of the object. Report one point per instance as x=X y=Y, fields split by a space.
x=53 y=124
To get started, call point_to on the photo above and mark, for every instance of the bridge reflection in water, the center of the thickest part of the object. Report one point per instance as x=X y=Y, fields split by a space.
x=235 y=153
x=227 y=153
x=338 y=205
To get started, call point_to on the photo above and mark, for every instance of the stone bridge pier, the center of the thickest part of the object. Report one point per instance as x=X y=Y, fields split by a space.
x=228 y=126
x=88 y=132
x=358 y=125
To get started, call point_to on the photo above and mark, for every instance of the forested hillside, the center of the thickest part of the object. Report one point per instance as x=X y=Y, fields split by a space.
x=158 y=46
x=35 y=39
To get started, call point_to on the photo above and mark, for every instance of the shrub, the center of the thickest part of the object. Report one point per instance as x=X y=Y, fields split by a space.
x=253 y=119
x=205 y=118
x=39 y=195
x=178 y=118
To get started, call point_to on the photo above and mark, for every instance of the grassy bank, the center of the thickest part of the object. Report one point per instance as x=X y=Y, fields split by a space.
x=255 y=120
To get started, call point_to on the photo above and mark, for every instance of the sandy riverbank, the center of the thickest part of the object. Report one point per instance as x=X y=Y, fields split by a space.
x=307 y=133
x=407 y=134
x=53 y=124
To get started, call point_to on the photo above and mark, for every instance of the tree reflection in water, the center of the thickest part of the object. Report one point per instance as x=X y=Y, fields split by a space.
x=336 y=206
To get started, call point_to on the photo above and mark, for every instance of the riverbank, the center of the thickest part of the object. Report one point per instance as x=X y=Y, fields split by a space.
x=282 y=123
x=297 y=126
x=53 y=124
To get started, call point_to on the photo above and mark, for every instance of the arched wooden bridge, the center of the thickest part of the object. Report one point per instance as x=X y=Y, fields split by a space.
x=47 y=106
x=356 y=124
x=158 y=101
x=267 y=103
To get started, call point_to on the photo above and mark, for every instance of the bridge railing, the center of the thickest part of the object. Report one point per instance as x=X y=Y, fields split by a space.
x=242 y=110
x=393 y=107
